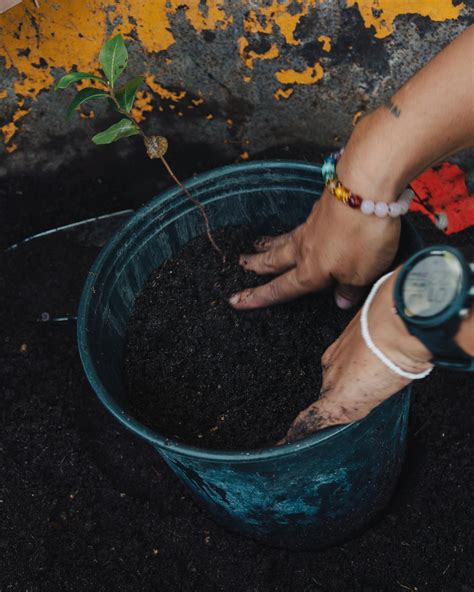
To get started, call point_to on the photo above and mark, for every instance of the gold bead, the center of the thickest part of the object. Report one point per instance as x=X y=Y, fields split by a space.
x=339 y=192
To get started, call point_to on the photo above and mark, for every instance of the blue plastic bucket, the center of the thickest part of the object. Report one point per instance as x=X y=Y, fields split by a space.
x=309 y=494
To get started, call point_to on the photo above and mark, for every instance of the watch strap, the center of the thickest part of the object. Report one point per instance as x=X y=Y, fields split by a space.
x=446 y=352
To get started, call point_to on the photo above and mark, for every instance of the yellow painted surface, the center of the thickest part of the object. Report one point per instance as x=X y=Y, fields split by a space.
x=62 y=34
x=381 y=14
x=248 y=56
x=308 y=76
x=283 y=94
x=163 y=92
x=70 y=33
x=278 y=16
x=142 y=105
x=9 y=129
x=326 y=41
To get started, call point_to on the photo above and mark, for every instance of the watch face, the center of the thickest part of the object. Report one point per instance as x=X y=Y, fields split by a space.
x=432 y=284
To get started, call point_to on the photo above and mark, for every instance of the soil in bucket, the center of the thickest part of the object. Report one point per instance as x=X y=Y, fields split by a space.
x=204 y=374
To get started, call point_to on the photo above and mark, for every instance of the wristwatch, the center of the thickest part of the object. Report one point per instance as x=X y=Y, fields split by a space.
x=433 y=293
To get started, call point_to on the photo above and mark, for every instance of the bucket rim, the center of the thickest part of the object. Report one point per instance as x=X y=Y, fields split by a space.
x=161 y=442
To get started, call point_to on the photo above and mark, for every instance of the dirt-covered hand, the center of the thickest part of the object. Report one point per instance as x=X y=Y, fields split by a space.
x=354 y=379
x=337 y=245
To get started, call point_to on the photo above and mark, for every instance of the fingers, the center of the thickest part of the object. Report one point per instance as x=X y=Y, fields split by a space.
x=267 y=242
x=277 y=259
x=347 y=296
x=283 y=288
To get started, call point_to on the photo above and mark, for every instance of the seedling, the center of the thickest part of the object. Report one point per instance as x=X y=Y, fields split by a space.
x=113 y=59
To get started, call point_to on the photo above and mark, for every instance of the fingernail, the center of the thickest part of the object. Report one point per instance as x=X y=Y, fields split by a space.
x=235 y=299
x=343 y=303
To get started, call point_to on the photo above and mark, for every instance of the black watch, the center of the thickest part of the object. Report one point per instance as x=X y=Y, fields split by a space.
x=433 y=293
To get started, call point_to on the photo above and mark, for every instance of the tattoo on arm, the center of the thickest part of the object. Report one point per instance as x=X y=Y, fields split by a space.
x=394 y=110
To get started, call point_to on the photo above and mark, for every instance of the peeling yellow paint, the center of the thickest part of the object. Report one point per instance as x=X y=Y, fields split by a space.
x=283 y=94
x=326 y=41
x=244 y=155
x=142 y=105
x=381 y=14
x=63 y=35
x=252 y=24
x=308 y=76
x=213 y=17
x=281 y=16
x=197 y=101
x=163 y=92
x=35 y=42
x=11 y=148
x=229 y=122
x=264 y=18
x=248 y=56
x=9 y=129
x=210 y=117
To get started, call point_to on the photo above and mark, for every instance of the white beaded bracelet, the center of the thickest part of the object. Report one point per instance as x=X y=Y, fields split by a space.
x=394 y=209
x=364 y=325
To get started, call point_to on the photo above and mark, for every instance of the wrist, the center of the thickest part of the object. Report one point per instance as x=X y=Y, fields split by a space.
x=391 y=335
x=373 y=164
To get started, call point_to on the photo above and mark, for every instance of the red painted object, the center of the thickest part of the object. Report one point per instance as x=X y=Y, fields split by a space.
x=442 y=189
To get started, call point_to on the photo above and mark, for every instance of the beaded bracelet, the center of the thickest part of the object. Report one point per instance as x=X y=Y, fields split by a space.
x=366 y=206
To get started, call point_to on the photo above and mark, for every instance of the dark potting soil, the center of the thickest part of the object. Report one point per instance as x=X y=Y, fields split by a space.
x=205 y=374
x=87 y=506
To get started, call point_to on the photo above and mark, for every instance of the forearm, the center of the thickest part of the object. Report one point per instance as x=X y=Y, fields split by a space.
x=429 y=118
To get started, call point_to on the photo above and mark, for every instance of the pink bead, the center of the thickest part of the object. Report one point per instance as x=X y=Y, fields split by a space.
x=367 y=207
x=394 y=209
x=404 y=205
x=381 y=209
x=407 y=195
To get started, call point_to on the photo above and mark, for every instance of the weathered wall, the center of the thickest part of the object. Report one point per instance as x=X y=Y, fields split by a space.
x=238 y=75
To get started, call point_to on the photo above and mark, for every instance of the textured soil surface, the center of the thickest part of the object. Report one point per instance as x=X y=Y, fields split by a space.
x=207 y=375
x=86 y=506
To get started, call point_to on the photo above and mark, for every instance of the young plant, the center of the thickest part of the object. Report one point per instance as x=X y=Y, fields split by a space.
x=113 y=59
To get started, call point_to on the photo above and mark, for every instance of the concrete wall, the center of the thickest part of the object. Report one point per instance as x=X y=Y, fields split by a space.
x=239 y=76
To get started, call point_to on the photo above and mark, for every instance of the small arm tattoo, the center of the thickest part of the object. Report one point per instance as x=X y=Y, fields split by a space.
x=394 y=110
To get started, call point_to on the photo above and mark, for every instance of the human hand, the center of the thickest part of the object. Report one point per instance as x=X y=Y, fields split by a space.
x=354 y=379
x=337 y=245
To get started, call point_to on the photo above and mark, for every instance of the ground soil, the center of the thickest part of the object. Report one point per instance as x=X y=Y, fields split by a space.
x=86 y=506
x=205 y=374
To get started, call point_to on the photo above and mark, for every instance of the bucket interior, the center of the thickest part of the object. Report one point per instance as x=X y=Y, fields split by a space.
x=261 y=194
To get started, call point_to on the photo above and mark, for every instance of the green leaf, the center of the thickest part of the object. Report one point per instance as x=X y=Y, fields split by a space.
x=113 y=58
x=68 y=79
x=85 y=95
x=121 y=129
x=126 y=94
